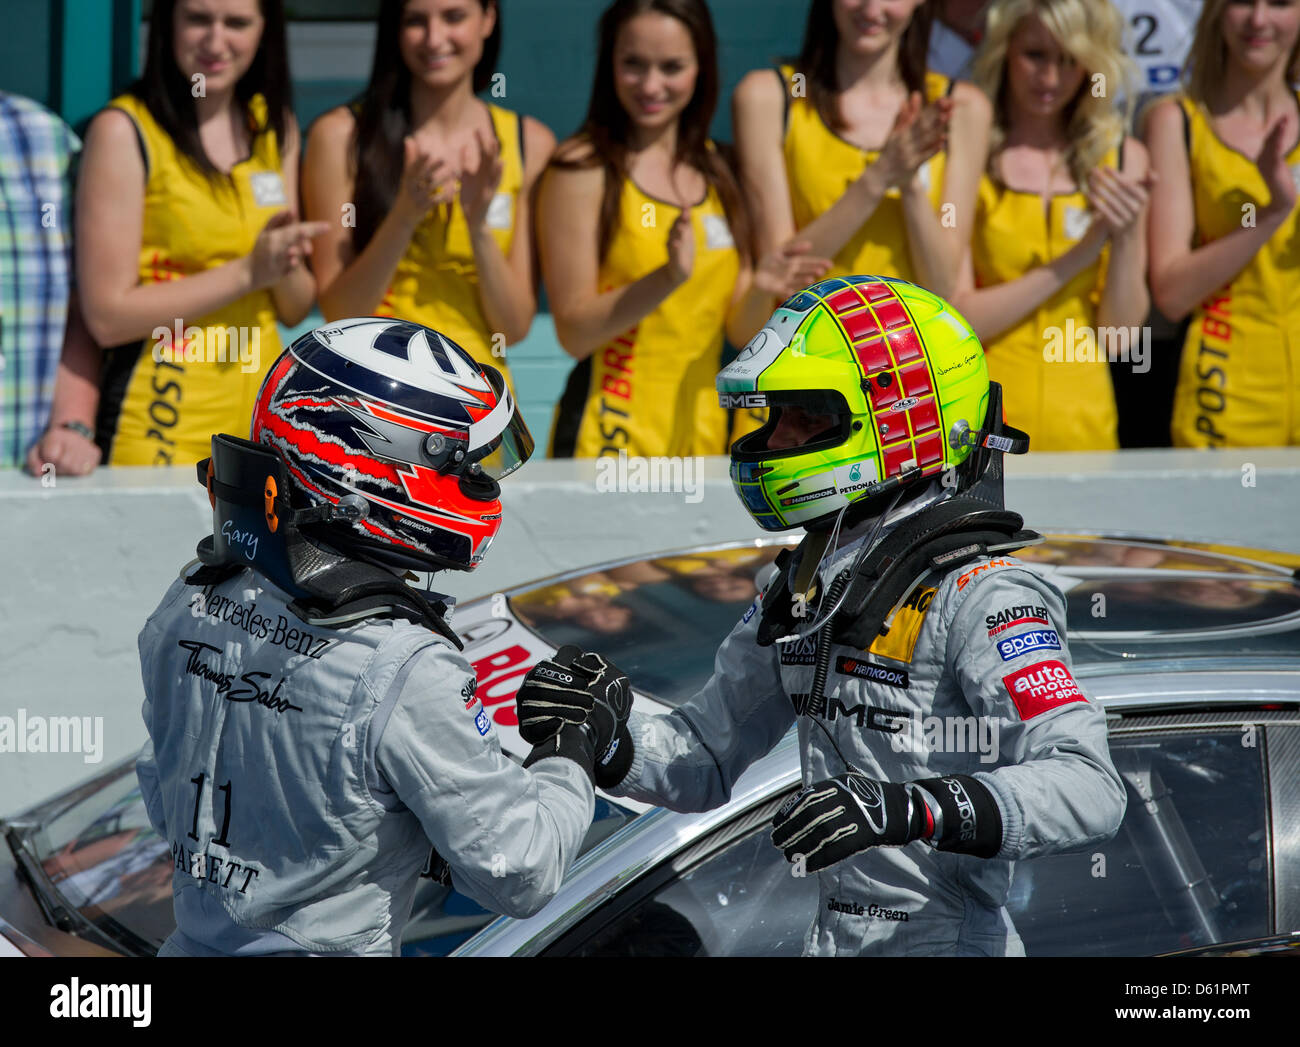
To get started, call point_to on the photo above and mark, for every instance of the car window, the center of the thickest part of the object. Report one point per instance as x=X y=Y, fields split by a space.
x=659 y=620
x=1188 y=867
x=443 y=918
x=106 y=861
x=740 y=901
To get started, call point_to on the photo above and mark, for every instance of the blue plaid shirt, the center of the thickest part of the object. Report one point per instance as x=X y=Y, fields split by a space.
x=36 y=156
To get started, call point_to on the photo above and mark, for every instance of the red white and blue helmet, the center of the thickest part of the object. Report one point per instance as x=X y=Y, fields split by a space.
x=403 y=432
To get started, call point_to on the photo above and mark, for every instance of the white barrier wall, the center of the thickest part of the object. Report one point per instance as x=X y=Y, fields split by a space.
x=86 y=560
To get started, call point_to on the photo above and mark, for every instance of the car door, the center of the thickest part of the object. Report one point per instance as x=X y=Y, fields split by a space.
x=1208 y=852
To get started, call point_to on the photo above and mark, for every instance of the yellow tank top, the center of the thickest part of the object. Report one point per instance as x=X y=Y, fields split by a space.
x=1055 y=376
x=651 y=391
x=820 y=166
x=162 y=399
x=1239 y=376
x=436 y=282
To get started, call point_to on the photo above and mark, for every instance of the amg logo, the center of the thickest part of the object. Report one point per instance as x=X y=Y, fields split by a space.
x=742 y=400
x=867 y=716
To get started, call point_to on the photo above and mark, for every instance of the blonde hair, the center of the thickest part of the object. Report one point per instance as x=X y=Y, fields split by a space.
x=1090 y=32
x=1207 y=58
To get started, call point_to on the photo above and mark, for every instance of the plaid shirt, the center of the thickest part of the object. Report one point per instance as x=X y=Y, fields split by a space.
x=36 y=156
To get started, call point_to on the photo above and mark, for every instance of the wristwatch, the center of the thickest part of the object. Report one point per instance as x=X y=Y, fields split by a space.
x=80 y=428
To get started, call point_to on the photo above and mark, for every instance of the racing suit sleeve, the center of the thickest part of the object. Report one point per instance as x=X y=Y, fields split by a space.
x=146 y=772
x=146 y=764
x=1056 y=787
x=689 y=759
x=509 y=834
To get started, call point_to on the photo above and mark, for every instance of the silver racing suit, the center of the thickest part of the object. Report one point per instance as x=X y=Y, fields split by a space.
x=973 y=677
x=299 y=774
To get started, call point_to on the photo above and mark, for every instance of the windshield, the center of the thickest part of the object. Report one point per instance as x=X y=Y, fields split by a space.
x=661 y=619
x=658 y=620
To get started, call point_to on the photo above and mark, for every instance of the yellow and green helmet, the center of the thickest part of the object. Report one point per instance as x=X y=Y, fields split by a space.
x=900 y=371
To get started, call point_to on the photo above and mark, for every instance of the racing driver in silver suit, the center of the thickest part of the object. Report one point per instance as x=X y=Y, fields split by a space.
x=313 y=726
x=900 y=628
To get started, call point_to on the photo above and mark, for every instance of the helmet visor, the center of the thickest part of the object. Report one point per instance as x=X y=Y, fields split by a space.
x=500 y=442
x=798 y=422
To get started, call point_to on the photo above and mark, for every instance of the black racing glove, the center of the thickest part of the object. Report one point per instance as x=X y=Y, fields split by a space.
x=837 y=818
x=969 y=820
x=577 y=704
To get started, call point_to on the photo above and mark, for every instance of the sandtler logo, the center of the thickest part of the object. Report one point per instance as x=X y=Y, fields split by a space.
x=101 y=1001
x=53 y=734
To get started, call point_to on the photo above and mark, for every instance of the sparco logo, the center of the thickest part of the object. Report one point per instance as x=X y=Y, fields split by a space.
x=869 y=671
x=742 y=400
x=874 y=911
x=547 y=673
x=965 y=809
x=1037 y=640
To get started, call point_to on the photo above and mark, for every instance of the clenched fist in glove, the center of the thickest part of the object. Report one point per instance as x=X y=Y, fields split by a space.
x=832 y=820
x=577 y=705
x=835 y=819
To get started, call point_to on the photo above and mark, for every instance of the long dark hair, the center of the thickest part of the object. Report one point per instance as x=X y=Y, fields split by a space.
x=606 y=125
x=166 y=93
x=384 y=117
x=821 y=40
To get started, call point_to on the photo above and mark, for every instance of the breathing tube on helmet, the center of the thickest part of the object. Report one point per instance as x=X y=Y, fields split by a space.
x=255 y=524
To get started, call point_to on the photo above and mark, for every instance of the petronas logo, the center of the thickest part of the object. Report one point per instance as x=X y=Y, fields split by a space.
x=855 y=474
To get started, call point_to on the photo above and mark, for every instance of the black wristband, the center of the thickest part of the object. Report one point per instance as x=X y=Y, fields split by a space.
x=971 y=821
x=618 y=760
x=571 y=742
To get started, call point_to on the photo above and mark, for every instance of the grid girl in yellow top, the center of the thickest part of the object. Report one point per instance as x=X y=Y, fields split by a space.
x=645 y=245
x=1225 y=227
x=858 y=151
x=1055 y=281
x=188 y=248
x=426 y=187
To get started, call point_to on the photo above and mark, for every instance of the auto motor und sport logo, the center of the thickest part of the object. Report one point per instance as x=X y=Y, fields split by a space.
x=1042 y=687
x=1025 y=643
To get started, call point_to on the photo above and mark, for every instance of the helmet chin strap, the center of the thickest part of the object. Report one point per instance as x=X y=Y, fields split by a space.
x=821 y=545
